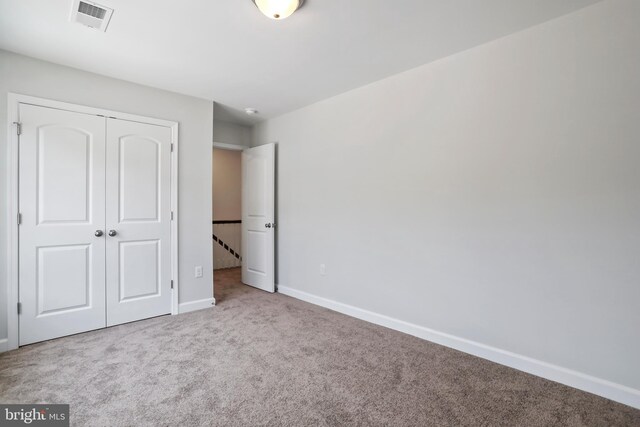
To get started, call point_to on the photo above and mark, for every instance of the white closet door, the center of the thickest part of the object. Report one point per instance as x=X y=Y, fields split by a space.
x=138 y=221
x=62 y=196
x=258 y=212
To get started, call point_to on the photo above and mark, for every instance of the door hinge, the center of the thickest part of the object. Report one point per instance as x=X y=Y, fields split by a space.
x=18 y=127
x=171 y=215
x=172 y=284
x=172 y=147
x=19 y=218
x=19 y=308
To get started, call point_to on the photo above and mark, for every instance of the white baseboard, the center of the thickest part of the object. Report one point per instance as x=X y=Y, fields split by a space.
x=4 y=345
x=186 y=307
x=610 y=390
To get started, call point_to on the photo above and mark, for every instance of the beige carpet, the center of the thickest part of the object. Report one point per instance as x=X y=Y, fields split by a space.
x=262 y=359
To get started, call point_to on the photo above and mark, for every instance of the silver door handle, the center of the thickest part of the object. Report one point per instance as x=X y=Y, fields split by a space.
x=112 y=233
x=98 y=233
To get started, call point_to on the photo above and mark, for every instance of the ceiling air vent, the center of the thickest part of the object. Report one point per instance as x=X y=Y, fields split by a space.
x=90 y=14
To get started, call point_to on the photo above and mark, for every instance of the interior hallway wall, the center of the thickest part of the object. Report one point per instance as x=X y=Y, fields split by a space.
x=227 y=184
x=227 y=203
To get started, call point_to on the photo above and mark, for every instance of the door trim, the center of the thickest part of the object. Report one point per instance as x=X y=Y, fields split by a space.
x=232 y=147
x=13 y=288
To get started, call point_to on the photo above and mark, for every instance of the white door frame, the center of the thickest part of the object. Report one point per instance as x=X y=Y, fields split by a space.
x=14 y=101
x=231 y=147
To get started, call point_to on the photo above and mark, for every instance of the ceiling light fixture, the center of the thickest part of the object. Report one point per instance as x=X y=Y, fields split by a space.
x=278 y=9
x=251 y=111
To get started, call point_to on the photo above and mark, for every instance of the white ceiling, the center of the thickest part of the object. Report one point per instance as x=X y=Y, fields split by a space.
x=225 y=50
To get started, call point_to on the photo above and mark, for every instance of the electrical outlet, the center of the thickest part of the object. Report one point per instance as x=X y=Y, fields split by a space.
x=323 y=270
x=198 y=271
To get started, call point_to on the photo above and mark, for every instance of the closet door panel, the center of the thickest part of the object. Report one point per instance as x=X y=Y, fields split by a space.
x=62 y=206
x=138 y=221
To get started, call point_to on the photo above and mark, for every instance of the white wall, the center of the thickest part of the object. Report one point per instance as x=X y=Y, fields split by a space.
x=227 y=184
x=493 y=195
x=231 y=133
x=20 y=74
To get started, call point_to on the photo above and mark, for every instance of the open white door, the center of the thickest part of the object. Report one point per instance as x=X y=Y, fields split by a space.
x=258 y=213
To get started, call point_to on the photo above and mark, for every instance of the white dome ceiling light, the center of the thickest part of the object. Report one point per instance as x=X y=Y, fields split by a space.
x=278 y=9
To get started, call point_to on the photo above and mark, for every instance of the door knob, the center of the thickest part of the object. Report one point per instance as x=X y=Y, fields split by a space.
x=268 y=225
x=112 y=233
x=99 y=233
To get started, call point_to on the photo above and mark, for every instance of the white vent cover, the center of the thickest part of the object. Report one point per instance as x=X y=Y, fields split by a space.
x=90 y=14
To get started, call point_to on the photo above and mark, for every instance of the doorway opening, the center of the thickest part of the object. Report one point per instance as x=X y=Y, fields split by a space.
x=231 y=135
x=243 y=209
x=227 y=219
